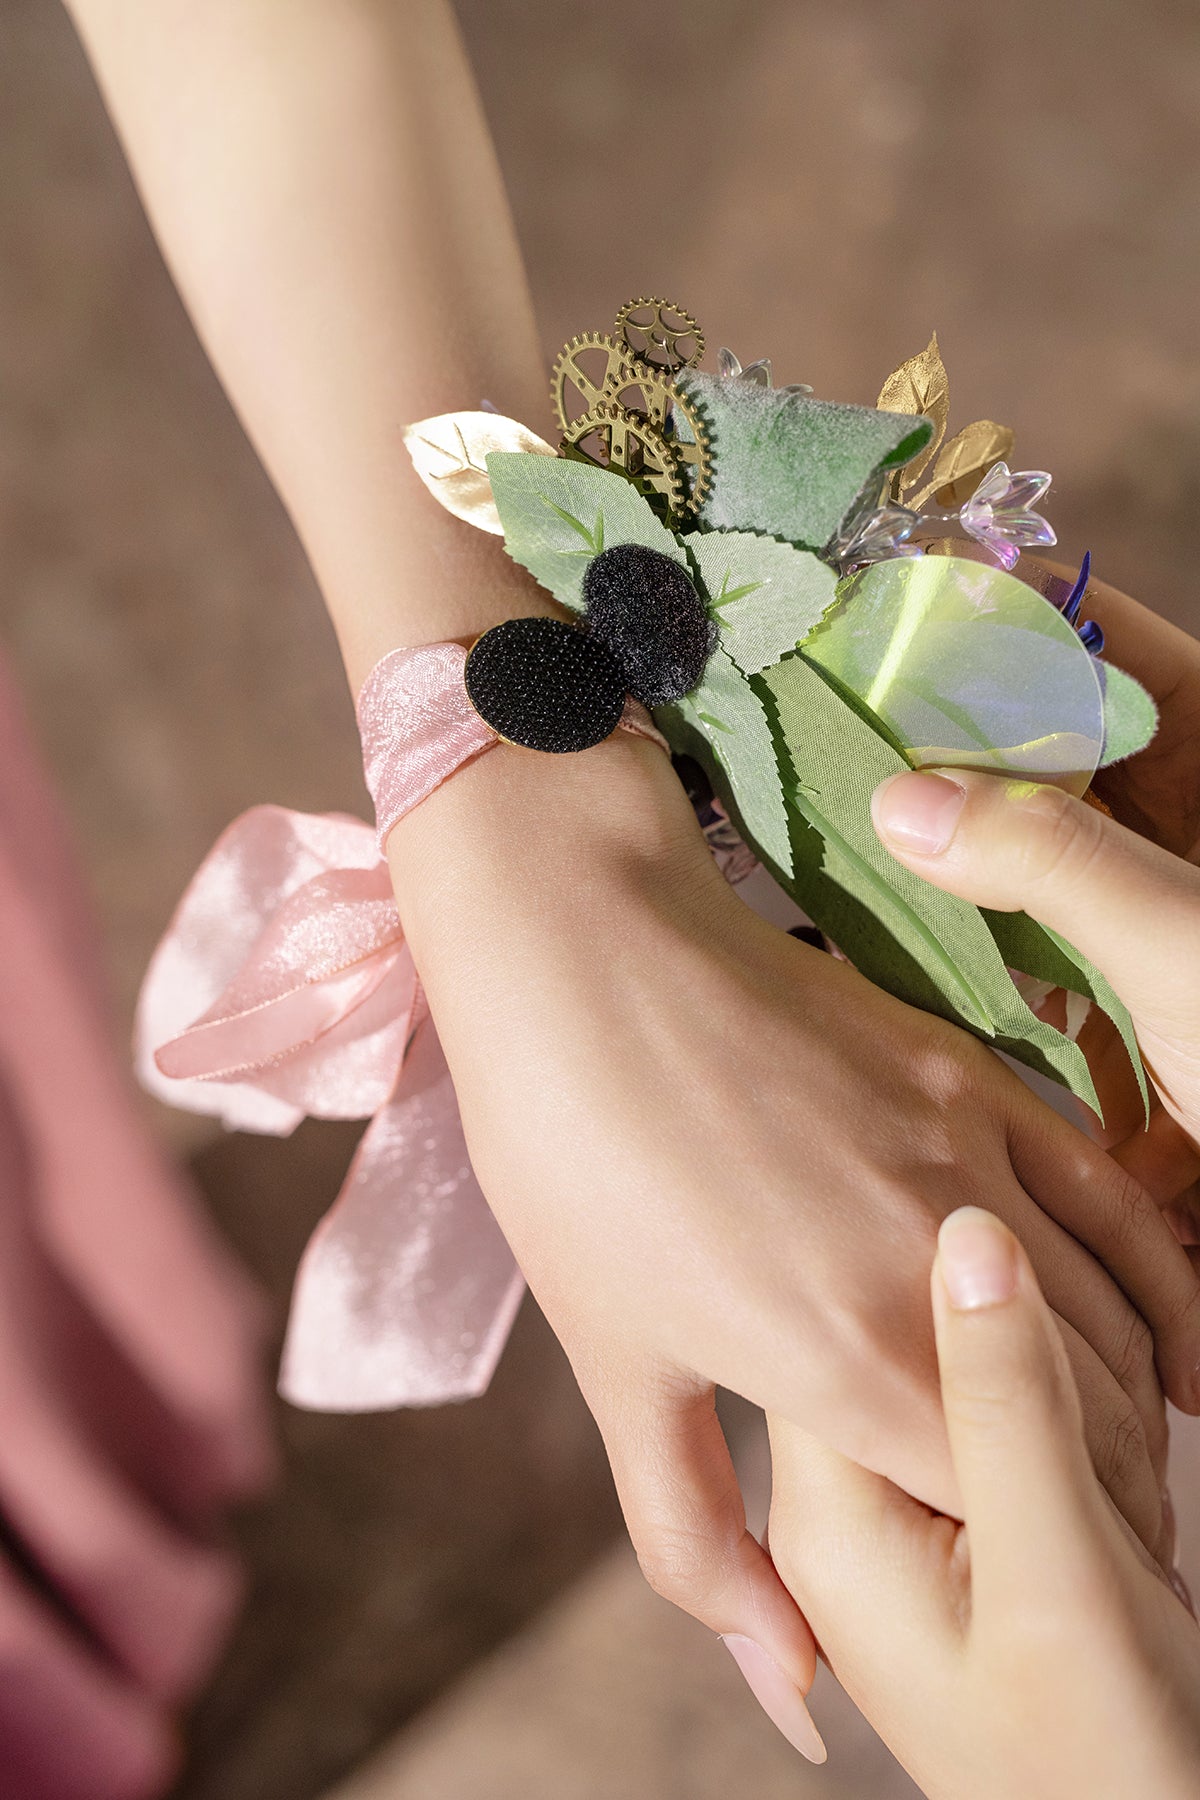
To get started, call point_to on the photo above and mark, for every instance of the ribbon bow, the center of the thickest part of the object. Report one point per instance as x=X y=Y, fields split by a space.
x=284 y=988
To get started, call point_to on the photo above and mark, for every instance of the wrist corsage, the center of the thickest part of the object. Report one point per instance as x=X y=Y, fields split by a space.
x=810 y=597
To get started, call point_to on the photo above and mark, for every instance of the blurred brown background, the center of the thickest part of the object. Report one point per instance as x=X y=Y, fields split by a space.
x=820 y=181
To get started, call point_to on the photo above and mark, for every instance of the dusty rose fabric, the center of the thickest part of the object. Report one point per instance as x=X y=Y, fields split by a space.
x=284 y=987
x=129 y=1394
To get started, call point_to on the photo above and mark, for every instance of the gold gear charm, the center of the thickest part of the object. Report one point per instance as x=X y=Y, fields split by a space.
x=590 y=368
x=660 y=333
x=617 y=406
x=630 y=445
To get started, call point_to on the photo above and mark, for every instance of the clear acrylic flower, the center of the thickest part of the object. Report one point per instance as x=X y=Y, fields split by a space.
x=729 y=367
x=1000 y=512
x=878 y=532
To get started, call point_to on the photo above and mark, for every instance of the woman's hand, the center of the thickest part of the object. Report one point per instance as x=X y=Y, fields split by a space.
x=722 y=1157
x=1035 y=1651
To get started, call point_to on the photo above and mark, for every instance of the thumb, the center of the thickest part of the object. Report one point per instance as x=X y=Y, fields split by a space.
x=1129 y=906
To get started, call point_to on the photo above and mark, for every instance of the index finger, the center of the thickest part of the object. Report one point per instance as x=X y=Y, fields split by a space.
x=1033 y=1506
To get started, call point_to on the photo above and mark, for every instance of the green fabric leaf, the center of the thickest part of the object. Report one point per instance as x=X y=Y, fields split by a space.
x=790 y=466
x=795 y=768
x=891 y=924
x=1042 y=953
x=765 y=596
x=723 y=724
x=557 y=515
x=1130 y=715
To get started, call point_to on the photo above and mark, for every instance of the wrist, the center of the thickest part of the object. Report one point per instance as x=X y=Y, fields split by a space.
x=520 y=840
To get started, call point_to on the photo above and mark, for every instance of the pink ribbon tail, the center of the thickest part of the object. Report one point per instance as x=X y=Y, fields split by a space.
x=283 y=989
x=407 y=1291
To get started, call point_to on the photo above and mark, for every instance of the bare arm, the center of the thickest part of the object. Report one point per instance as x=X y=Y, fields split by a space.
x=322 y=181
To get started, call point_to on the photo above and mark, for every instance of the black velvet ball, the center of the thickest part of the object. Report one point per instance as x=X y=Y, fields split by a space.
x=645 y=607
x=545 y=684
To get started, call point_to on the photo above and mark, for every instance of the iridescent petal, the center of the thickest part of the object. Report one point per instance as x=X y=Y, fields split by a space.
x=967 y=666
x=1025 y=489
x=1026 y=528
x=878 y=532
x=999 y=514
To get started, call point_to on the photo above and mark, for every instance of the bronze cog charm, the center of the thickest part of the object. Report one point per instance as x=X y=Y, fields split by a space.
x=590 y=368
x=630 y=445
x=660 y=333
x=617 y=406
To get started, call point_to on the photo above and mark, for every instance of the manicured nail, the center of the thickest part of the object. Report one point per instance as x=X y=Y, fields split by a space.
x=918 y=812
x=778 y=1696
x=978 y=1259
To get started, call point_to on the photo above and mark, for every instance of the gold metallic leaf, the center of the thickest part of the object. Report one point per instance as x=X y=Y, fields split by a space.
x=919 y=385
x=450 y=455
x=962 y=463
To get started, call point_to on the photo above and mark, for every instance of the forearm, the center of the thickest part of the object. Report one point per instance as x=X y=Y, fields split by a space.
x=322 y=181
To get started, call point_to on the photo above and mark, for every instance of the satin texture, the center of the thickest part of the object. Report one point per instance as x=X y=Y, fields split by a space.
x=283 y=989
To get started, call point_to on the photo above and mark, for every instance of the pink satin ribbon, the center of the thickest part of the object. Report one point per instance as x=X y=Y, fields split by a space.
x=284 y=988
x=418 y=726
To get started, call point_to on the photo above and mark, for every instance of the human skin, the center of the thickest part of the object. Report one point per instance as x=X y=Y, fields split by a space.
x=1034 y=1650
x=1123 y=889
x=720 y=1156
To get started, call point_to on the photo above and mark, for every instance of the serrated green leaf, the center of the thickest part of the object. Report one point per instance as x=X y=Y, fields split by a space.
x=1042 y=953
x=1130 y=715
x=765 y=596
x=907 y=936
x=723 y=724
x=557 y=515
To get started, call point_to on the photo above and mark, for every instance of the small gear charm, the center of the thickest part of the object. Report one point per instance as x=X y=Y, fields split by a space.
x=617 y=405
x=590 y=368
x=660 y=333
x=631 y=445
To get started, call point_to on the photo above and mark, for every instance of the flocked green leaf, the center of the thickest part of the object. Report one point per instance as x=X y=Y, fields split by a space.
x=557 y=515
x=1130 y=715
x=764 y=595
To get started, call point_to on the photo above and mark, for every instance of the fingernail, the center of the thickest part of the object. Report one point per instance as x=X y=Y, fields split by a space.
x=918 y=811
x=1182 y=1590
x=778 y=1696
x=978 y=1259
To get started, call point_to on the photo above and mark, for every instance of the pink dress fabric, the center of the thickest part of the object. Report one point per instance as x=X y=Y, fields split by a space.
x=129 y=1391
x=284 y=988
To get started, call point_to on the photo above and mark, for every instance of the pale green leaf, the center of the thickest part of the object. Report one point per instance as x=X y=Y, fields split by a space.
x=764 y=595
x=1036 y=950
x=723 y=724
x=558 y=514
x=1130 y=715
x=926 y=946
